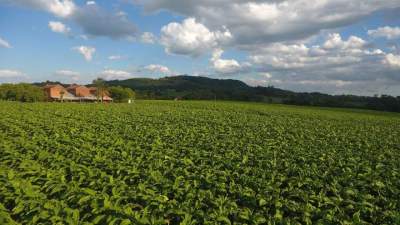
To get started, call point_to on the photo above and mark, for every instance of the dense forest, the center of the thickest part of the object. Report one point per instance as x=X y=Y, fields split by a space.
x=202 y=88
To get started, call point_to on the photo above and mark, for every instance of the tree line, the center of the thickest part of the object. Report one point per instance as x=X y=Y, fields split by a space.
x=205 y=88
x=24 y=92
x=201 y=88
x=118 y=93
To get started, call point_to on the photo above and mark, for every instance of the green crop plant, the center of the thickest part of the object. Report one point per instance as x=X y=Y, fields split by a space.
x=164 y=162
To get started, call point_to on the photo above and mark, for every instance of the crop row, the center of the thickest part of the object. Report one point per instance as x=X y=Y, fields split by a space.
x=197 y=163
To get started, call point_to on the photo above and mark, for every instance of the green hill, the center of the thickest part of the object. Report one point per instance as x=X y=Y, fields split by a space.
x=203 y=88
x=190 y=87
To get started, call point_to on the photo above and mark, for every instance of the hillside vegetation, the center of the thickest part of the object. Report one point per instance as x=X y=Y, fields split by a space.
x=165 y=162
x=196 y=88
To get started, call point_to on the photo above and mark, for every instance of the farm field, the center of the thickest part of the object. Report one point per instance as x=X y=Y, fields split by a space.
x=165 y=162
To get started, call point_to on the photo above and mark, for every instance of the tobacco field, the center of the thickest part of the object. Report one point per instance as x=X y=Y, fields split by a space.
x=164 y=162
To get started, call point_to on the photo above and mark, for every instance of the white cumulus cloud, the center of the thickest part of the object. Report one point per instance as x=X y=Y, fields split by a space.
x=392 y=60
x=191 y=38
x=59 y=8
x=335 y=41
x=13 y=76
x=148 y=38
x=265 y=21
x=158 y=69
x=59 y=27
x=334 y=52
x=7 y=73
x=86 y=51
x=115 y=75
x=90 y=17
x=335 y=66
x=385 y=32
x=224 y=66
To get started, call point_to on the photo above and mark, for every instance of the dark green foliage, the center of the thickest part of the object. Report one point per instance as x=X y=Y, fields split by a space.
x=102 y=88
x=187 y=87
x=21 y=92
x=120 y=94
x=203 y=88
x=164 y=162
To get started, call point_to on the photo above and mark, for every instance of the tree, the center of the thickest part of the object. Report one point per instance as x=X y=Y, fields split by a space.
x=21 y=92
x=101 y=88
x=120 y=94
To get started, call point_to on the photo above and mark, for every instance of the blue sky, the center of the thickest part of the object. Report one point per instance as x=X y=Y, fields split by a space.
x=332 y=46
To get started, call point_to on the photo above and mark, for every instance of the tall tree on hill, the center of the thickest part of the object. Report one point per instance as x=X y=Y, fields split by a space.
x=101 y=88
